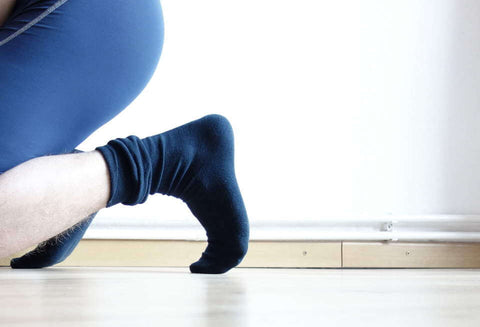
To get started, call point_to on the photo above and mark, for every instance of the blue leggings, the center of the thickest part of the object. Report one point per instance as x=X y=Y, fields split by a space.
x=69 y=66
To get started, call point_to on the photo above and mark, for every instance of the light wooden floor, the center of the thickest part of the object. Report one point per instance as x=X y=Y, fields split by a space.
x=69 y=296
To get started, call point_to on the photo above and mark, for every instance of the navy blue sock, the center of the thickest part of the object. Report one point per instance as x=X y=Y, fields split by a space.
x=55 y=249
x=195 y=163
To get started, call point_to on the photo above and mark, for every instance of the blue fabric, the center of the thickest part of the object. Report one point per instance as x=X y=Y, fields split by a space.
x=67 y=75
x=72 y=72
x=195 y=163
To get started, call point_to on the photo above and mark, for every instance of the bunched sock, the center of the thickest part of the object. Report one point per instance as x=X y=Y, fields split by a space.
x=195 y=163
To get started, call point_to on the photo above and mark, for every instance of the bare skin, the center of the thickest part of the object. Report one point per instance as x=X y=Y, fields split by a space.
x=6 y=7
x=44 y=196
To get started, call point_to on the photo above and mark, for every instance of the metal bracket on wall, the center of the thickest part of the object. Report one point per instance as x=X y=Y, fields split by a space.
x=388 y=227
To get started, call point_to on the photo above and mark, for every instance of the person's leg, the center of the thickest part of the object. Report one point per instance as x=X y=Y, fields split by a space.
x=66 y=68
x=57 y=248
x=44 y=196
x=193 y=162
x=67 y=73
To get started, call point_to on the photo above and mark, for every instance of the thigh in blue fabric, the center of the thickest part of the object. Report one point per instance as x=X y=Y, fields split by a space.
x=67 y=67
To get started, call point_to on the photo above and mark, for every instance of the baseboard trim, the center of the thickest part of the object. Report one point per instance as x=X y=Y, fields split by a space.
x=277 y=254
x=411 y=255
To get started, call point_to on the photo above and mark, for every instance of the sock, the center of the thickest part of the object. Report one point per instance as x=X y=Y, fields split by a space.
x=55 y=249
x=195 y=163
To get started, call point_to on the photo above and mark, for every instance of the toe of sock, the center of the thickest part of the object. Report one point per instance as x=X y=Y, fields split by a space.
x=209 y=264
x=23 y=263
x=36 y=259
x=16 y=263
x=205 y=267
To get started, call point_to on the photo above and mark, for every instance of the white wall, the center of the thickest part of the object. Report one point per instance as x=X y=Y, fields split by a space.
x=339 y=107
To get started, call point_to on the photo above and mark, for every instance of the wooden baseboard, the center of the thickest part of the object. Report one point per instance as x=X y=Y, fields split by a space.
x=288 y=254
x=161 y=253
x=411 y=255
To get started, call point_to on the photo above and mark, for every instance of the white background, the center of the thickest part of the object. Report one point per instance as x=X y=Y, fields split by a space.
x=339 y=107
